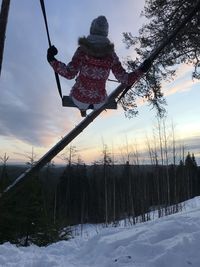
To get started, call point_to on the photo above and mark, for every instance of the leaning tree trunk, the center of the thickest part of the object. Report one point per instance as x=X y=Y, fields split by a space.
x=3 y=22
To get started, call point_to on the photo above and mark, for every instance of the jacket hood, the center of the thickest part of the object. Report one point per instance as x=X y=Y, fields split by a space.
x=96 y=48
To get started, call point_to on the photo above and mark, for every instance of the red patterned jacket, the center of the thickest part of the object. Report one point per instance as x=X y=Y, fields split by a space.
x=91 y=67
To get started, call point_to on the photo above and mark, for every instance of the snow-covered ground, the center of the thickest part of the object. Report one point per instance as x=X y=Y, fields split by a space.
x=172 y=241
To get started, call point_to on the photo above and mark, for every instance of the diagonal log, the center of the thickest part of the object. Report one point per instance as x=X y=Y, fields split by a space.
x=64 y=141
x=5 y=4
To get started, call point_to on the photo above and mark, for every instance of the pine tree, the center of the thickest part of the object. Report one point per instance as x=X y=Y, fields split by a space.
x=190 y=161
x=23 y=218
x=163 y=17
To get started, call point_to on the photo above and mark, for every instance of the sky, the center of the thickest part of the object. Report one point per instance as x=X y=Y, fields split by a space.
x=171 y=240
x=31 y=114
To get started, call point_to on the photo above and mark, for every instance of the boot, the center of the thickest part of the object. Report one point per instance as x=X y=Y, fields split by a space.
x=83 y=113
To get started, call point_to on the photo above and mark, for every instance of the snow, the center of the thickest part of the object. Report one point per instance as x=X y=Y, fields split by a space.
x=171 y=241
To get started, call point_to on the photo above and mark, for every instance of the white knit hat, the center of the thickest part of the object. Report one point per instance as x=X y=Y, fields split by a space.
x=99 y=26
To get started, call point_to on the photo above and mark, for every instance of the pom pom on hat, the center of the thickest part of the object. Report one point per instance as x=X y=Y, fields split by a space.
x=99 y=26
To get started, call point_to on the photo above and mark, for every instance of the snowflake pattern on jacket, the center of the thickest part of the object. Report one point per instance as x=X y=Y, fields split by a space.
x=91 y=73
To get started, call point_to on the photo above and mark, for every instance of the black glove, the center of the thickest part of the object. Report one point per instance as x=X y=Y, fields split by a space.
x=146 y=65
x=51 y=52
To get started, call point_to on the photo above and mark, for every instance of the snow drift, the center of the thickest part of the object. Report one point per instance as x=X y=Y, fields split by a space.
x=172 y=241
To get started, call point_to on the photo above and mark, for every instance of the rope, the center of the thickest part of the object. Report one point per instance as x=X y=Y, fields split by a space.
x=49 y=41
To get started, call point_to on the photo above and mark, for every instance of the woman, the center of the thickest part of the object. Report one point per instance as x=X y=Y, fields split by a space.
x=91 y=65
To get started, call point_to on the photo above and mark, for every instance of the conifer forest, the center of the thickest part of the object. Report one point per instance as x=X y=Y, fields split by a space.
x=44 y=209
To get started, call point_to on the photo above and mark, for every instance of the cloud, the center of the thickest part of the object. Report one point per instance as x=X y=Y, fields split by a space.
x=180 y=88
x=30 y=108
x=190 y=143
x=183 y=81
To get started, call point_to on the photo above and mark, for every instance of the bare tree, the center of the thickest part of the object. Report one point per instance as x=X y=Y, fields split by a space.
x=160 y=140
x=3 y=23
x=150 y=150
x=174 y=162
x=31 y=158
x=106 y=162
x=69 y=154
x=166 y=160
x=4 y=159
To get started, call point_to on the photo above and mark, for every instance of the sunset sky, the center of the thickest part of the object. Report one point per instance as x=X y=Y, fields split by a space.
x=31 y=114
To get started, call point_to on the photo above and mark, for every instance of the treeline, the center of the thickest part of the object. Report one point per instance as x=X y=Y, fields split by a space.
x=42 y=210
x=107 y=193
